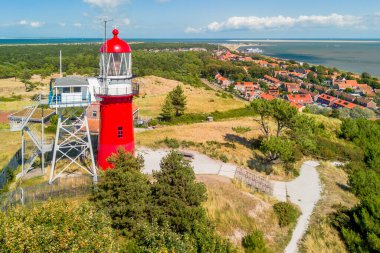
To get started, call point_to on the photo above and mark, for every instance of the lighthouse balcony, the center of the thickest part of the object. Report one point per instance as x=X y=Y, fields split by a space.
x=118 y=90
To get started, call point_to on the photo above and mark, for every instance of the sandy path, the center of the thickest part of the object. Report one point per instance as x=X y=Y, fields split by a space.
x=304 y=191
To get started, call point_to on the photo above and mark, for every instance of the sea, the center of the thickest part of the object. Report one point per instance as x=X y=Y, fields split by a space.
x=355 y=55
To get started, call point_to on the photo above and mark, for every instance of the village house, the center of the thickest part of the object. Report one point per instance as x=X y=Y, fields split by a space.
x=325 y=99
x=301 y=99
x=366 y=102
x=282 y=73
x=222 y=81
x=366 y=90
x=291 y=87
x=321 y=89
x=273 y=90
x=272 y=80
x=261 y=63
x=314 y=95
x=339 y=103
x=267 y=96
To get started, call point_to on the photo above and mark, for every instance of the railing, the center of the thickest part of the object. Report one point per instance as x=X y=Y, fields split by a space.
x=17 y=122
x=132 y=90
x=254 y=181
x=62 y=100
x=37 y=140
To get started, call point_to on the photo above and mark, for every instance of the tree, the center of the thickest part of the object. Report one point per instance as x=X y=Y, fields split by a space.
x=265 y=110
x=178 y=100
x=177 y=201
x=176 y=195
x=124 y=192
x=276 y=148
x=283 y=113
x=167 y=109
x=56 y=226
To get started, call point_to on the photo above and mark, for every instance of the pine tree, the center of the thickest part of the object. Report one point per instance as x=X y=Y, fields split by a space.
x=167 y=109
x=124 y=192
x=178 y=99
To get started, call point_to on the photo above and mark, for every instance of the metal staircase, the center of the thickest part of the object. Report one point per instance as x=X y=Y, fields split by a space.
x=42 y=145
x=20 y=119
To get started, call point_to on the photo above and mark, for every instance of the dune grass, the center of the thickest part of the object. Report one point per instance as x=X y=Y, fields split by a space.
x=153 y=91
x=236 y=212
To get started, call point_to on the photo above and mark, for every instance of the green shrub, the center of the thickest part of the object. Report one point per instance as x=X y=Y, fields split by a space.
x=286 y=213
x=254 y=242
x=223 y=158
x=153 y=122
x=171 y=142
x=241 y=130
x=56 y=226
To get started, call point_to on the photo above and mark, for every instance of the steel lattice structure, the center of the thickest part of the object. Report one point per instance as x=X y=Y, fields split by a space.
x=72 y=144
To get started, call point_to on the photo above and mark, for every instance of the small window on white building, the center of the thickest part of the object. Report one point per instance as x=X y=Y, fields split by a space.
x=120 y=132
x=66 y=90
x=77 y=89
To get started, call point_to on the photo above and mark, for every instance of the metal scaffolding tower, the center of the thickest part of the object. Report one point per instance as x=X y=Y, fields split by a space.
x=72 y=144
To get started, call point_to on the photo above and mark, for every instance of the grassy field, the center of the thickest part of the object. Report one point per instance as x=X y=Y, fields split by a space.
x=9 y=144
x=216 y=137
x=321 y=237
x=236 y=212
x=153 y=91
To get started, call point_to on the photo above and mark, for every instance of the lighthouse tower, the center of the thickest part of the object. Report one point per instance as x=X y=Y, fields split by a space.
x=115 y=94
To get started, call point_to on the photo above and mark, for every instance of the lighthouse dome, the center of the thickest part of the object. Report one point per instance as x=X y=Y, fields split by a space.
x=115 y=45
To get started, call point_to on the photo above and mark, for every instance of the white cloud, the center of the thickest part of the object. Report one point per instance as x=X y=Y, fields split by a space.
x=280 y=22
x=78 y=25
x=126 y=21
x=162 y=1
x=62 y=24
x=108 y=4
x=34 y=24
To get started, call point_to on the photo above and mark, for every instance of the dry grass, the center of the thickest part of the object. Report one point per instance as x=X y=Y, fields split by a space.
x=10 y=142
x=237 y=212
x=10 y=86
x=321 y=236
x=153 y=91
x=203 y=132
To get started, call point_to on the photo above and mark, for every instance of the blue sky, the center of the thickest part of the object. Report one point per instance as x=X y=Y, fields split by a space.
x=192 y=18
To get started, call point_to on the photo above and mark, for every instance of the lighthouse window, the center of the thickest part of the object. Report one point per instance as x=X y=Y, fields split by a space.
x=120 y=132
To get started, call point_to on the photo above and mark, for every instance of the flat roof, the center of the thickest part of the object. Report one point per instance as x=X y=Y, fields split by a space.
x=70 y=81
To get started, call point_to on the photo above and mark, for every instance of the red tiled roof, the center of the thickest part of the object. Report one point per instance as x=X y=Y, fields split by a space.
x=271 y=78
x=327 y=97
x=300 y=98
x=266 y=96
x=344 y=103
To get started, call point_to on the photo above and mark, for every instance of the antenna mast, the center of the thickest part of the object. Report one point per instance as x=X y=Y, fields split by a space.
x=105 y=56
x=60 y=63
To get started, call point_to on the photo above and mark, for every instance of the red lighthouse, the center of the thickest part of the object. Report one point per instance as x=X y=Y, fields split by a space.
x=115 y=93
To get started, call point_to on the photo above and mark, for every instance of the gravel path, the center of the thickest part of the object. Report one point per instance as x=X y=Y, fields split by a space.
x=304 y=191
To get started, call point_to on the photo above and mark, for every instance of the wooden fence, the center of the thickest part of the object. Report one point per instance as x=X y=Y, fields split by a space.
x=61 y=188
x=254 y=181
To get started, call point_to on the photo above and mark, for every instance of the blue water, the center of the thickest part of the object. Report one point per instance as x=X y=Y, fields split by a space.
x=356 y=55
